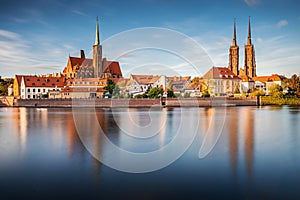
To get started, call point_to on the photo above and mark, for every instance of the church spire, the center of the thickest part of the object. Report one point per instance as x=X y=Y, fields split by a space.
x=97 y=39
x=249 y=33
x=234 y=35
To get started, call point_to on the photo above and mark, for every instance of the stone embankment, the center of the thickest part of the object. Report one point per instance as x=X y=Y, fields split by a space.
x=147 y=102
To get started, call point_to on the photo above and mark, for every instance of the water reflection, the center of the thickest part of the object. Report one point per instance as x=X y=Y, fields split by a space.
x=258 y=152
x=240 y=125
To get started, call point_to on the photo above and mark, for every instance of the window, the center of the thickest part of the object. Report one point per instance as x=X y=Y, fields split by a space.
x=28 y=90
x=39 y=90
x=33 y=83
x=38 y=79
x=33 y=90
x=44 y=90
x=33 y=96
x=28 y=96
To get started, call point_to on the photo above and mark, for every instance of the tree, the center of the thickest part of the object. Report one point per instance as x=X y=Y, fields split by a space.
x=186 y=95
x=293 y=83
x=276 y=91
x=112 y=88
x=256 y=92
x=155 y=92
x=170 y=93
x=205 y=93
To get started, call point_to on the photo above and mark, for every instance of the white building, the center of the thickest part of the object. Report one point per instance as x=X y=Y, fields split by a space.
x=33 y=87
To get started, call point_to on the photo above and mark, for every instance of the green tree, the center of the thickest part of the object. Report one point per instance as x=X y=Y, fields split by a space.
x=155 y=92
x=112 y=88
x=292 y=83
x=276 y=91
x=186 y=95
x=205 y=93
x=257 y=93
x=170 y=93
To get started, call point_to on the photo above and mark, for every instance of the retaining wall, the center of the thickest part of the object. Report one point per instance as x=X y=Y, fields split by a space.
x=108 y=103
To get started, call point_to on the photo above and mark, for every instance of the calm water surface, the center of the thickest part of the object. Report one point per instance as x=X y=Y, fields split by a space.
x=256 y=157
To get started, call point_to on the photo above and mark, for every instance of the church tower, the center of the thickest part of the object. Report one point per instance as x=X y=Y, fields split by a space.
x=250 y=63
x=97 y=54
x=234 y=54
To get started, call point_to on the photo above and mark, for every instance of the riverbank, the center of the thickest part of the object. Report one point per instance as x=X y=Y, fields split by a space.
x=269 y=100
x=146 y=102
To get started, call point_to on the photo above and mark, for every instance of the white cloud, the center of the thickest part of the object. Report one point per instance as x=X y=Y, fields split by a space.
x=252 y=3
x=79 y=13
x=282 y=23
x=18 y=55
x=9 y=35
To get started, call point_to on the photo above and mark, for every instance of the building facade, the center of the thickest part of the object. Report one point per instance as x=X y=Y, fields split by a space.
x=34 y=87
x=221 y=81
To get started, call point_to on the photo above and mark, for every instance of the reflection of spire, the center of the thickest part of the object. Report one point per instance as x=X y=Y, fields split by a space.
x=233 y=132
x=234 y=35
x=249 y=33
x=97 y=39
x=249 y=141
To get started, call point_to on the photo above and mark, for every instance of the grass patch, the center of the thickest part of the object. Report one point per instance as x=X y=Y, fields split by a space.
x=270 y=100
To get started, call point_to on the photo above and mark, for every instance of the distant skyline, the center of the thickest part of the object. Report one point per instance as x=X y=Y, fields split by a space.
x=37 y=36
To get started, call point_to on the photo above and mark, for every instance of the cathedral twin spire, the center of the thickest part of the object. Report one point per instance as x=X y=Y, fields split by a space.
x=250 y=64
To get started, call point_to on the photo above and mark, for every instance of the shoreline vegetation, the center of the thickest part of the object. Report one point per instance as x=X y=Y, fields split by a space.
x=270 y=100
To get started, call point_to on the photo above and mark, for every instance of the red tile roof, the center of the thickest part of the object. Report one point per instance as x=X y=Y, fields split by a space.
x=273 y=77
x=113 y=68
x=74 y=61
x=37 y=81
x=142 y=79
x=220 y=73
x=246 y=78
x=179 y=78
x=19 y=79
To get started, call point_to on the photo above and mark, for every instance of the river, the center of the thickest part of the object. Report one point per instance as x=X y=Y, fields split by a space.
x=158 y=153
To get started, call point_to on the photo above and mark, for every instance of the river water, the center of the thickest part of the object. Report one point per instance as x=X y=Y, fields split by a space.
x=161 y=153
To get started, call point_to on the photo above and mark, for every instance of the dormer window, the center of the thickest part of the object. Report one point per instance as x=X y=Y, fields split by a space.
x=38 y=79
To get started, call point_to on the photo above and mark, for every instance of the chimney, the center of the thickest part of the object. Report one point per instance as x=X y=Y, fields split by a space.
x=82 y=54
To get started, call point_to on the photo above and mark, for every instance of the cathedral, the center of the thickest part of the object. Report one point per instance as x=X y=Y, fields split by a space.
x=97 y=67
x=249 y=69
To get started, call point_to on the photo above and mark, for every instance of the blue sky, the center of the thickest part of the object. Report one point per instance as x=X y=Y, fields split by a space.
x=36 y=36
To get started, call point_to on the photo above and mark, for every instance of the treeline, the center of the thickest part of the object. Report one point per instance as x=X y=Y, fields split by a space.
x=4 y=83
